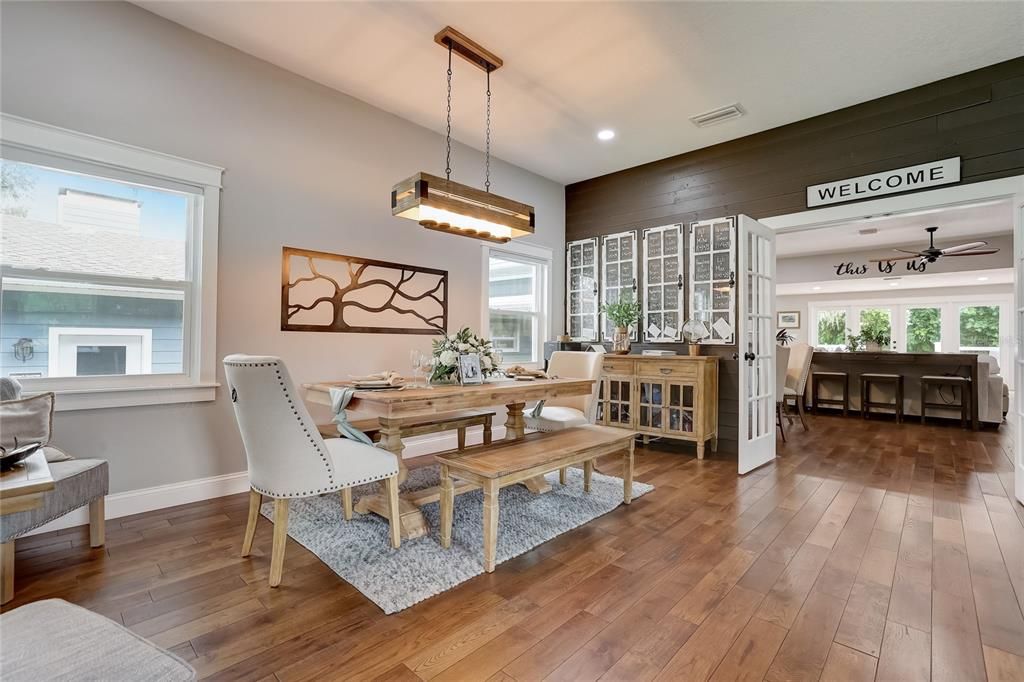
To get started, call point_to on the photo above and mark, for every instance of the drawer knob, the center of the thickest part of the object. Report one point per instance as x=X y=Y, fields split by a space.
x=666 y=370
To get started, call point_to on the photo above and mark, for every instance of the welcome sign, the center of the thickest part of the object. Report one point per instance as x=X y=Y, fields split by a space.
x=889 y=182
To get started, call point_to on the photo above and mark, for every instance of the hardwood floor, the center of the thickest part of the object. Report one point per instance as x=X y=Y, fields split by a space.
x=866 y=551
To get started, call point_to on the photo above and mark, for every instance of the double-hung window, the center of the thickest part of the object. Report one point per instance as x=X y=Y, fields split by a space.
x=108 y=269
x=518 y=301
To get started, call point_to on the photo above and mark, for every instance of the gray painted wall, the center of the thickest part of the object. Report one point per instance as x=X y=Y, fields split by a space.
x=306 y=166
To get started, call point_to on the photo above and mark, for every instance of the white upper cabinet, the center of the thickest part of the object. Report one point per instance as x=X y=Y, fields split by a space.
x=663 y=284
x=712 y=281
x=581 y=292
x=619 y=275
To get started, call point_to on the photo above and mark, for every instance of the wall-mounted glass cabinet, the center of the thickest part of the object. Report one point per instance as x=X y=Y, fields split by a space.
x=663 y=283
x=581 y=292
x=618 y=275
x=712 y=277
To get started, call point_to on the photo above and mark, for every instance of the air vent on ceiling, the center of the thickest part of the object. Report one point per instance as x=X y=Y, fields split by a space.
x=715 y=116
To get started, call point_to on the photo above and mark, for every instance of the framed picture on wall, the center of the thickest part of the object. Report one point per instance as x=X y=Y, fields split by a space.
x=788 y=319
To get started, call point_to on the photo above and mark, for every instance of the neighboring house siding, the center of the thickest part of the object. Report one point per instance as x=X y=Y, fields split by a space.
x=24 y=315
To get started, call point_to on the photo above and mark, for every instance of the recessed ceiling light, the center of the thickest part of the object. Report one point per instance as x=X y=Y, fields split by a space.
x=816 y=288
x=983 y=279
x=606 y=134
x=894 y=284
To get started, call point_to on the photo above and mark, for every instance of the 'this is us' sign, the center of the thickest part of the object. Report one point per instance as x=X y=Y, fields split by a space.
x=906 y=179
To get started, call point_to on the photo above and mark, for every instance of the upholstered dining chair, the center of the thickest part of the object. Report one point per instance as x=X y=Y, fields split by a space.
x=782 y=354
x=568 y=412
x=796 y=377
x=288 y=458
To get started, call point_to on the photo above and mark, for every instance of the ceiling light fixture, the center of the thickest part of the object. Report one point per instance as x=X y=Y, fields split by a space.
x=983 y=279
x=446 y=206
x=816 y=288
x=606 y=134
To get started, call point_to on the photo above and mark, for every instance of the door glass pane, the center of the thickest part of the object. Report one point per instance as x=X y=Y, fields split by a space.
x=673 y=395
x=656 y=394
x=831 y=328
x=101 y=360
x=876 y=327
x=979 y=329
x=924 y=330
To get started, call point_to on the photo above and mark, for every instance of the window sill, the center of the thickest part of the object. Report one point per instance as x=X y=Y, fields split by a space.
x=130 y=396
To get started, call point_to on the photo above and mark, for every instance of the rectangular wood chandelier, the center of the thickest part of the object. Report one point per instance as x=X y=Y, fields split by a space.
x=444 y=205
x=449 y=206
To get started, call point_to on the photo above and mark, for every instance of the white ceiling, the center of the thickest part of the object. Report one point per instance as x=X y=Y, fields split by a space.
x=641 y=68
x=956 y=225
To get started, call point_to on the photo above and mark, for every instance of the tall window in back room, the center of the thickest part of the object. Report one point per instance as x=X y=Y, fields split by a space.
x=517 y=303
x=103 y=268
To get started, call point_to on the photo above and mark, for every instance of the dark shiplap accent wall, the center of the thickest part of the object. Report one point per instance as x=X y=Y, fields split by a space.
x=977 y=115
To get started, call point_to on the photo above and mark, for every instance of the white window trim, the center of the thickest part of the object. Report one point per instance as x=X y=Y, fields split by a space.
x=545 y=257
x=57 y=344
x=948 y=307
x=199 y=353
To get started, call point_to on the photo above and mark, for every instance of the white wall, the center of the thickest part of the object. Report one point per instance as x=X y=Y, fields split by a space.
x=306 y=166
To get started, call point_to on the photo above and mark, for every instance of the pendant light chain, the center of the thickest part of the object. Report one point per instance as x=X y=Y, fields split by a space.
x=448 y=136
x=487 y=153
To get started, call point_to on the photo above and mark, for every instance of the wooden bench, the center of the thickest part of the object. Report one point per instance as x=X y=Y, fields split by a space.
x=510 y=462
x=419 y=426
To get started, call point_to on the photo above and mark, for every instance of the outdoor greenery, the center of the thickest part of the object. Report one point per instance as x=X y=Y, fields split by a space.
x=832 y=327
x=979 y=326
x=876 y=327
x=15 y=185
x=924 y=330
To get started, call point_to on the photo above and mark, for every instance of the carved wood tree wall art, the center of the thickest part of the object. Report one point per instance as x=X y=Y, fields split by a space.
x=329 y=292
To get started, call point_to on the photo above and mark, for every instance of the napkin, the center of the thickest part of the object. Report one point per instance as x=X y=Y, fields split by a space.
x=392 y=378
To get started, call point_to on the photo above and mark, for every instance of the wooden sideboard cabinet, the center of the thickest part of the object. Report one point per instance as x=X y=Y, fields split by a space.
x=671 y=397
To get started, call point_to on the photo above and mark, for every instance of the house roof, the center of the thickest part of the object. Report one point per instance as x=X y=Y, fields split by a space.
x=33 y=244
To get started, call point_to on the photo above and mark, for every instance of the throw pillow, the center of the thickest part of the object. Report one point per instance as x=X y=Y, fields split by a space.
x=28 y=419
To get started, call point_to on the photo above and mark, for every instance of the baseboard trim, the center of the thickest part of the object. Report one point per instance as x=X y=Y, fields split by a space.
x=196 y=490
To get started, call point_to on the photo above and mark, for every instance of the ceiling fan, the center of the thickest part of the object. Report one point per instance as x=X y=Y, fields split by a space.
x=933 y=253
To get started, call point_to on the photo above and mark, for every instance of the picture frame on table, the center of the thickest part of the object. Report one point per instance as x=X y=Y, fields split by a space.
x=470 y=372
x=788 y=319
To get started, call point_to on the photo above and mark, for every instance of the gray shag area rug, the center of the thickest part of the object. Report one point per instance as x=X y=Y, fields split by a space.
x=359 y=551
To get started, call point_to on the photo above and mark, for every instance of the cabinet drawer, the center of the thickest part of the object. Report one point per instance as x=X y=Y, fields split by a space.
x=617 y=366
x=672 y=370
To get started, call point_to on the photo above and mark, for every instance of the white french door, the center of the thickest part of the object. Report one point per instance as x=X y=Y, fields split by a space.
x=756 y=344
x=1018 y=361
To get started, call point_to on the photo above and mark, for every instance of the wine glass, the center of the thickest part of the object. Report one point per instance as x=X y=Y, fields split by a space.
x=415 y=359
x=426 y=365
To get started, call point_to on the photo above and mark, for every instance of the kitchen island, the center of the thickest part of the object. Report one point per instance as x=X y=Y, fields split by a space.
x=912 y=366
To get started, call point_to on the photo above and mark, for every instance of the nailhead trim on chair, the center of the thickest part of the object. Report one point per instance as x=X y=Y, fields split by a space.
x=332 y=487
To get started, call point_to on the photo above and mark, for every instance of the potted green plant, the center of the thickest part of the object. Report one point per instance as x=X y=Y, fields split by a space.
x=622 y=313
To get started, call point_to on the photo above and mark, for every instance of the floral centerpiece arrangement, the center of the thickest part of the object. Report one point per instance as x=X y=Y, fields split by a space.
x=463 y=342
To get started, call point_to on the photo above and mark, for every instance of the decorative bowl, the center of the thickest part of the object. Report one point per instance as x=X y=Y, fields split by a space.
x=8 y=459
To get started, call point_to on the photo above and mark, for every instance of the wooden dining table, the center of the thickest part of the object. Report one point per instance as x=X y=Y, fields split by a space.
x=392 y=406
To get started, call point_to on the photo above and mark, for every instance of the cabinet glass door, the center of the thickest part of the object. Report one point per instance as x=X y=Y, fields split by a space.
x=650 y=405
x=618 y=275
x=679 y=408
x=663 y=284
x=581 y=289
x=618 y=392
x=713 y=277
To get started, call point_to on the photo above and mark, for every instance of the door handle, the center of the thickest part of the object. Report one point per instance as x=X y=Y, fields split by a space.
x=749 y=357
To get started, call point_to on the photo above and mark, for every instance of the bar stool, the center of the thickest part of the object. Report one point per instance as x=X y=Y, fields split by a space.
x=953 y=381
x=817 y=378
x=867 y=380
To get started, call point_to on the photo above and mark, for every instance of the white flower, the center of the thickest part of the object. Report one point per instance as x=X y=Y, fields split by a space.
x=486 y=362
x=448 y=358
x=463 y=347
